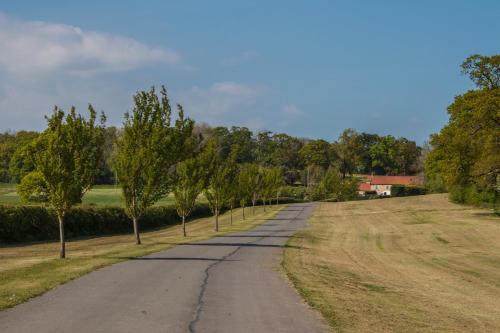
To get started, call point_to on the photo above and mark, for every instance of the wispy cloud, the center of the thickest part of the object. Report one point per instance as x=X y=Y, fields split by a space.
x=289 y=114
x=34 y=47
x=220 y=98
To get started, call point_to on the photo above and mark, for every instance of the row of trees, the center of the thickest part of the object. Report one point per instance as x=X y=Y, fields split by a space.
x=465 y=155
x=154 y=156
x=352 y=153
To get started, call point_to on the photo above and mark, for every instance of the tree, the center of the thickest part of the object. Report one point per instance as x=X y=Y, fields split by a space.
x=244 y=185
x=148 y=149
x=242 y=137
x=383 y=155
x=465 y=154
x=334 y=187
x=9 y=144
x=317 y=152
x=106 y=173
x=272 y=182
x=255 y=183
x=22 y=161
x=232 y=172
x=317 y=156
x=366 y=141
x=190 y=177
x=407 y=156
x=219 y=180
x=484 y=71
x=347 y=148
x=68 y=160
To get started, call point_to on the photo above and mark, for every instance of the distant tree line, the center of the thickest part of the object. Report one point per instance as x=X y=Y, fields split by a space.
x=352 y=153
x=464 y=156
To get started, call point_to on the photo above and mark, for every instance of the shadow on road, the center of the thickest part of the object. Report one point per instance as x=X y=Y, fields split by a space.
x=256 y=236
x=244 y=245
x=175 y=259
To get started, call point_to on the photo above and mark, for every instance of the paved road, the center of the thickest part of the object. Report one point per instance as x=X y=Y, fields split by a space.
x=225 y=284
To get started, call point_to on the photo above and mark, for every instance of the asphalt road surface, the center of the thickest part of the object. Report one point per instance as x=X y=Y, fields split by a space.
x=230 y=283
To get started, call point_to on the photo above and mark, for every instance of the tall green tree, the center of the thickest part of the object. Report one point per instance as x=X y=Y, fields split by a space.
x=484 y=71
x=232 y=172
x=189 y=182
x=465 y=154
x=220 y=178
x=347 y=151
x=68 y=160
x=147 y=151
x=272 y=181
x=255 y=183
x=244 y=185
x=10 y=143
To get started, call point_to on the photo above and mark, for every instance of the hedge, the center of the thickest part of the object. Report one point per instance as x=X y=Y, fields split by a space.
x=38 y=223
x=405 y=191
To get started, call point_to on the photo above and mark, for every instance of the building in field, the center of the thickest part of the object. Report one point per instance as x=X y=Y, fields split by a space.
x=382 y=185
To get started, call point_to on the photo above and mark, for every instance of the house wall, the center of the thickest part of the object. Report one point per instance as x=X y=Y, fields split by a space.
x=382 y=189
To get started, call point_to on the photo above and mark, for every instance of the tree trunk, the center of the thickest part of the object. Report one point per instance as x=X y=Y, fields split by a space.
x=136 y=230
x=254 y=199
x=264 y=204
x=62 y=251
x=184 y=225
x=277 y=199
x=231 y=208
x=216 y=220
x=243 y=210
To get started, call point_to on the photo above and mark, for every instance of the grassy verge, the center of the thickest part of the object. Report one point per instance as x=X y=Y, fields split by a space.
x=414 y=264
x=30 y=270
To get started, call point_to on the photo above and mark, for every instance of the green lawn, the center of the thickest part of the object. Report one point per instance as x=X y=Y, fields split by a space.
x=99 y=195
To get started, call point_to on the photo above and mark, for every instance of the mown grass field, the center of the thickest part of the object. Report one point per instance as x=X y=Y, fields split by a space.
x=416 y=264
x=30 y=269
x=99 y=195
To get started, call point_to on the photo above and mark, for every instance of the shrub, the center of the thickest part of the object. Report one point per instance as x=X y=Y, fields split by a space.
x=292 y=192
x=405 y=191
x=476 y=196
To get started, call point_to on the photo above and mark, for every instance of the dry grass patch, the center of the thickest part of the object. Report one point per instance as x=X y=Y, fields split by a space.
x=418 y=264
x=29 y=270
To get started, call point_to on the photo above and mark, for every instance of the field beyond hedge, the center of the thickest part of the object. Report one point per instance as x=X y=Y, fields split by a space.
x=416 y=264
x=99 y=195
x=28 y=270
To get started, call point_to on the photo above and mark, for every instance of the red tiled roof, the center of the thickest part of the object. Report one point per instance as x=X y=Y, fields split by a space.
x=364 y=187
x=394 y=180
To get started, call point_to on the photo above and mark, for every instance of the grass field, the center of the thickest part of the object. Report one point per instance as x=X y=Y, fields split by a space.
x=31 y=269
x=99 y=195
x=417 y=264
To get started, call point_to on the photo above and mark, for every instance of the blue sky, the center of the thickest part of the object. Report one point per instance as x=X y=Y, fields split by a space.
x=308 y=68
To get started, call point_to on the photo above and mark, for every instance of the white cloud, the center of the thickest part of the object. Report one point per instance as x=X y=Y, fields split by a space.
x=33 y=47
x=43 y=64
